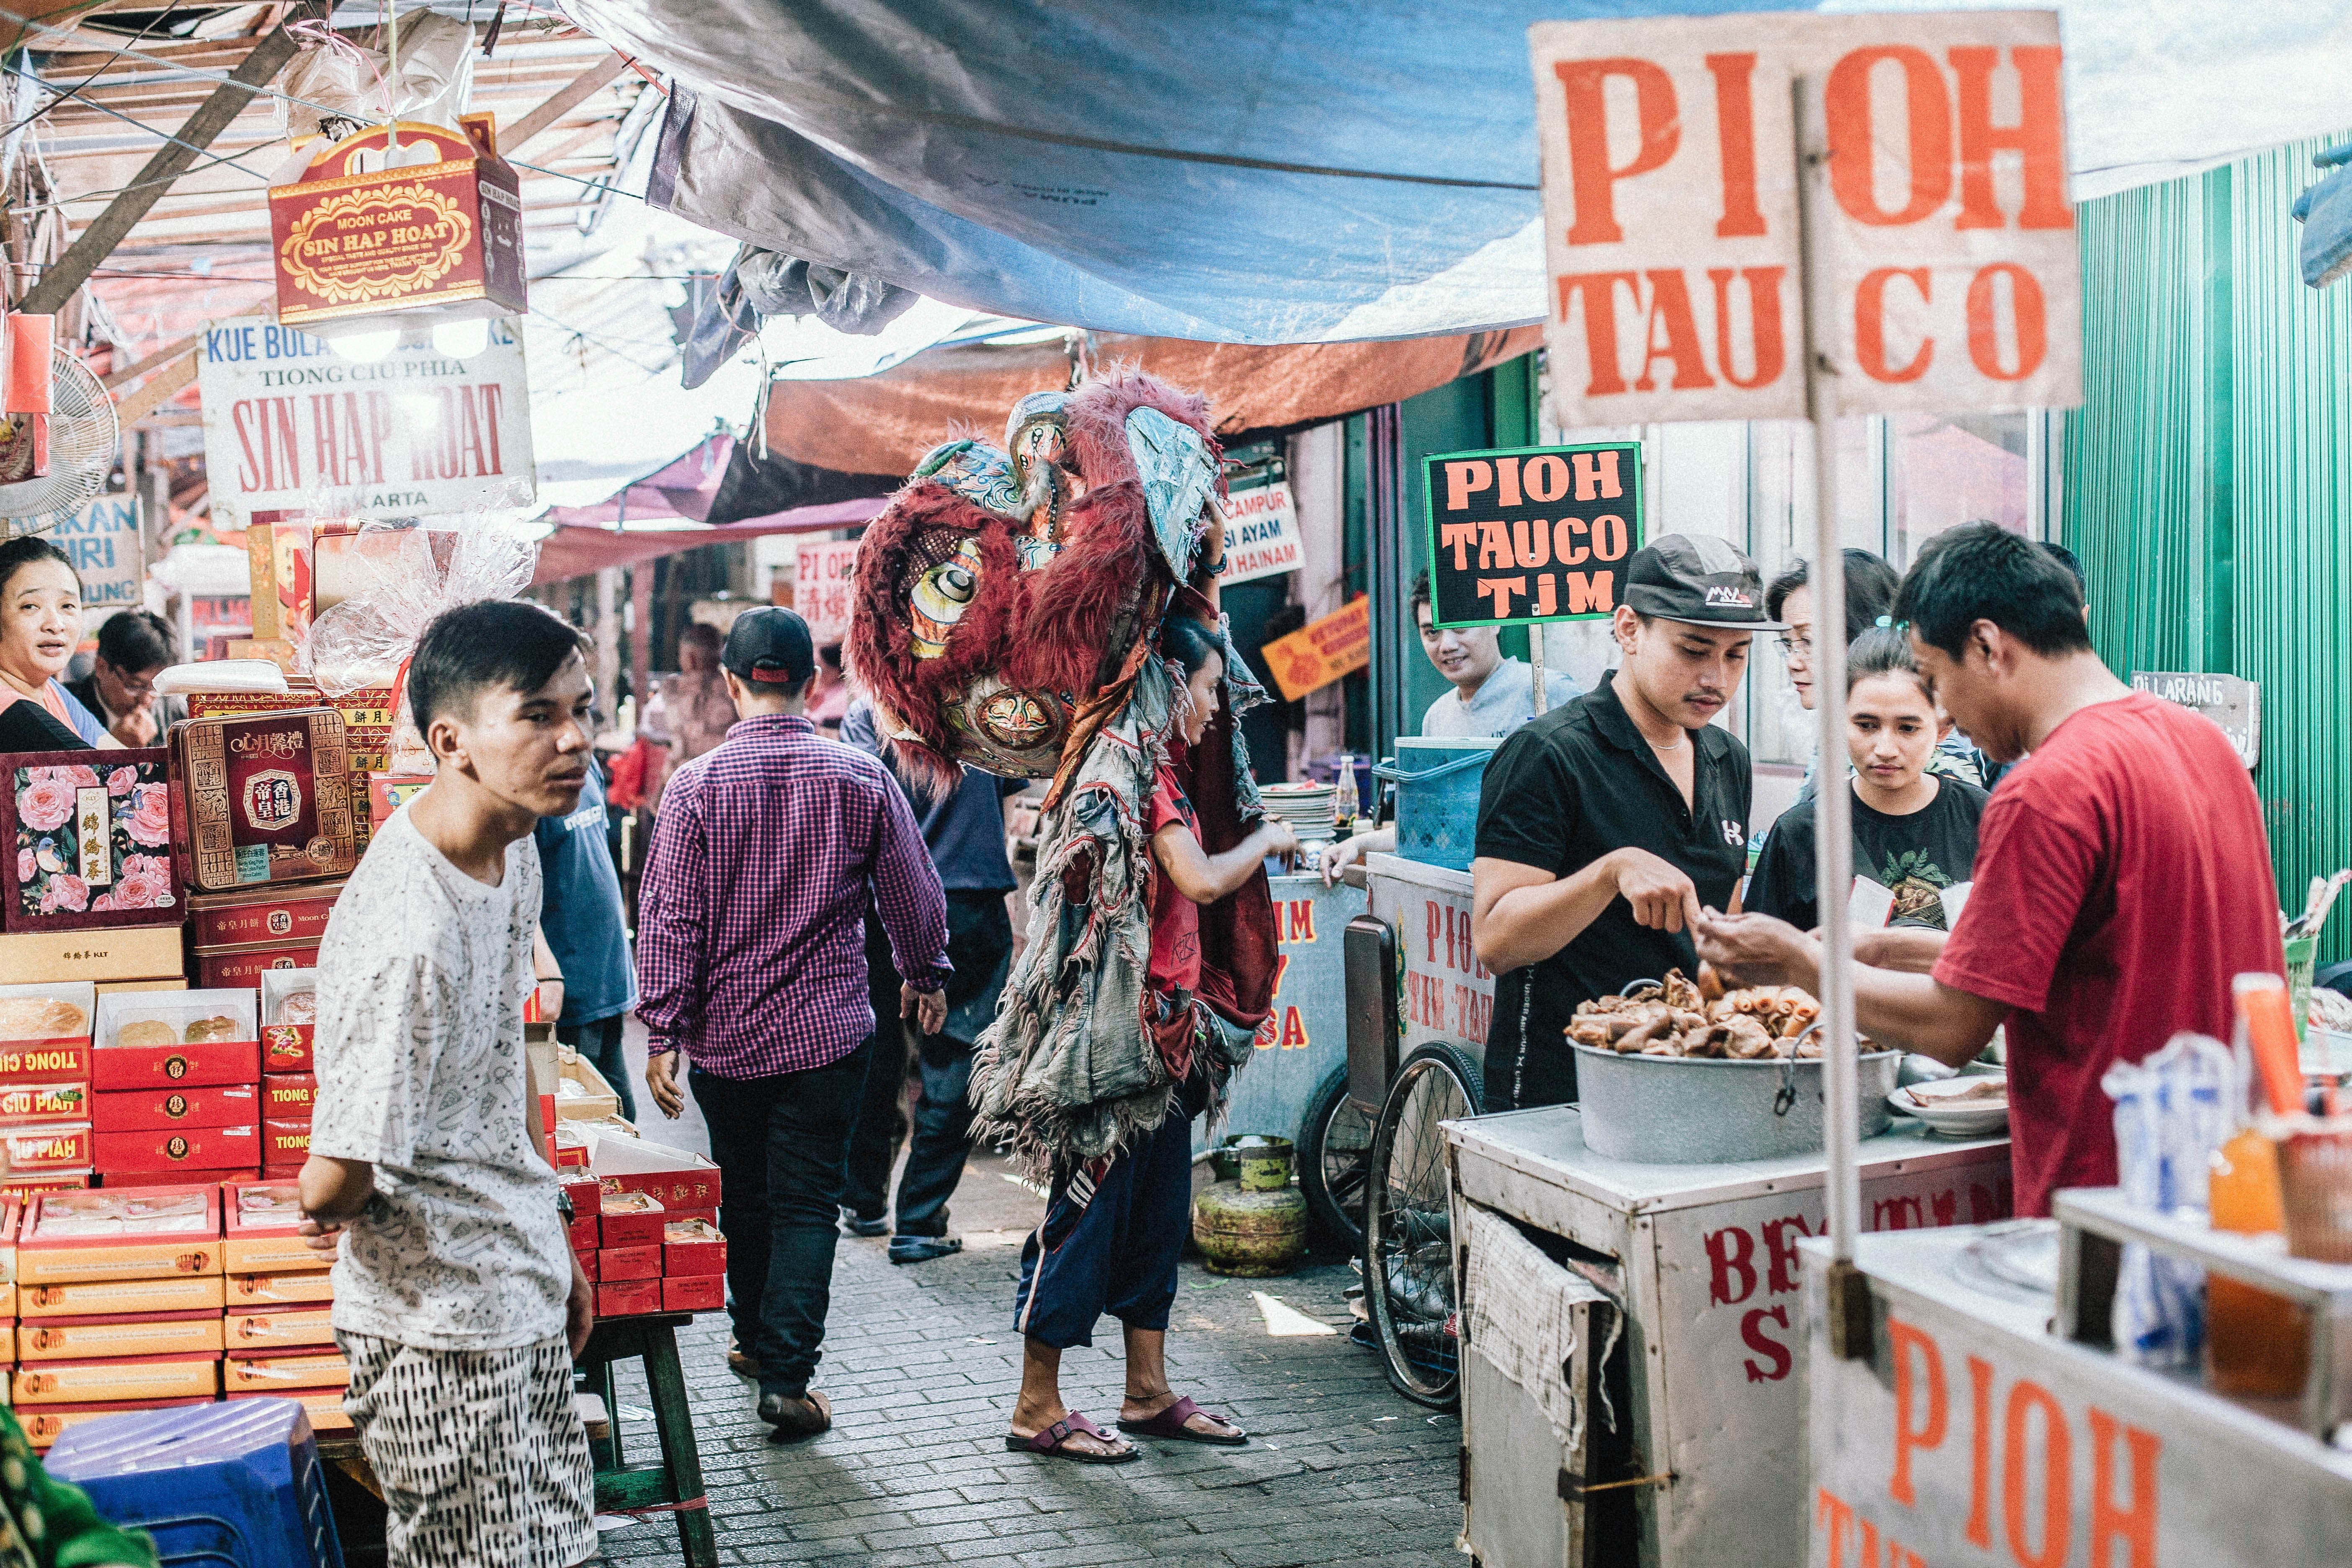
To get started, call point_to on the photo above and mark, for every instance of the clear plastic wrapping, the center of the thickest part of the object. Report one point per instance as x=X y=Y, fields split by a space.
x=2172 y=1112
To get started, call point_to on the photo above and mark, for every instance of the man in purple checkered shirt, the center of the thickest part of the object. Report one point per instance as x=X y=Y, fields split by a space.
x=751 y=960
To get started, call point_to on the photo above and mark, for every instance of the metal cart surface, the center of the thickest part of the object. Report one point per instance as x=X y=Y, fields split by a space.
x=1704 y=1263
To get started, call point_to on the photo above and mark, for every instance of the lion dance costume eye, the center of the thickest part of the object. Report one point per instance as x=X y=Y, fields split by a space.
x=941 y=597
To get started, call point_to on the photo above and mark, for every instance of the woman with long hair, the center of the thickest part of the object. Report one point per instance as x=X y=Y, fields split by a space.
x=40 y=622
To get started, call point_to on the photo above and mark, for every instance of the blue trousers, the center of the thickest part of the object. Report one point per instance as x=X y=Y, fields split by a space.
x=1111 y=1243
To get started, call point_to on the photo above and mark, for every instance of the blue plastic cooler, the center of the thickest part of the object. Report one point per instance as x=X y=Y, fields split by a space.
x=1437 y=782
x=218 y=1486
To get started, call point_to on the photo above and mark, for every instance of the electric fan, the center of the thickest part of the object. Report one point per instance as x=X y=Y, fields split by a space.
x=85 y=443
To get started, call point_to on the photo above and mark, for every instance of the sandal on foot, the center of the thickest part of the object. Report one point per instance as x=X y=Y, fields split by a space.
x=1170 y=1424
x=1053 y=1443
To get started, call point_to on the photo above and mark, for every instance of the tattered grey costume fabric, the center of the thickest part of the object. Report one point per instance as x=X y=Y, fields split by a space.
x=1065 y=1072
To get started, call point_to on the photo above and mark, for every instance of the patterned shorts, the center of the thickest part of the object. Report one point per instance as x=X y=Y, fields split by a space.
x=480 y=1454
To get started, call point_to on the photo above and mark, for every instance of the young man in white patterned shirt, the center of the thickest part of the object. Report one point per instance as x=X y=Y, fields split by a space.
x=458 y=1300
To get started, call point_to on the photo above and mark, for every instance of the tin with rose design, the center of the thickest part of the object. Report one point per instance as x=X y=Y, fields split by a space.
x=86 y=840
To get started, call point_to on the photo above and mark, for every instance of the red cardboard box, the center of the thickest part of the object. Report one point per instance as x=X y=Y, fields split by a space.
x=111 y=1181
x=44 y=1061
x=587 y=1265
x=635 y=1298
x=630 y=1219
x=681 y=1180
x=210 y=1065
x=173 y=1110
x=242 y=967
x=691 y=1249
x=585 y=1233
x=180 y=1149
x=615 y=1265
x=285 y=1144
x=281 y=1172
x=288 y=1096
x=695 y=1293
x=586 y=1196
x=248 y=917
x=286 y=1048
x=32 y=1104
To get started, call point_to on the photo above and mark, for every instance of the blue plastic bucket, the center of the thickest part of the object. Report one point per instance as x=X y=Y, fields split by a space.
x=1437 y=783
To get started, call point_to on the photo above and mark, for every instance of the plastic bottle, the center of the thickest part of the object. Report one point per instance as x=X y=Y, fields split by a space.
x=2257 y=1343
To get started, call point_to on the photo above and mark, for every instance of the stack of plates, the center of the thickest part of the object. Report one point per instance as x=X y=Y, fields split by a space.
x=1305 y=806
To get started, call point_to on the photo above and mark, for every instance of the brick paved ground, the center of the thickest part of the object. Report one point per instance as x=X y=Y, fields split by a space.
x=921 y=1363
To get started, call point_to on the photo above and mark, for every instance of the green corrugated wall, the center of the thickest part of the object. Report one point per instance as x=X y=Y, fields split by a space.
x=2207 y=482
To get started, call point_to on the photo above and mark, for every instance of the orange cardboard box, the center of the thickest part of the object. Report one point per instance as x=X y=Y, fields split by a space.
x=32 y=1104
x=275 y=1328
x=263 y=1236
x=325 y=1406
x=115 y=952
x=279 y=1371
x=121 y=1298
x=173 y=1110
x=117 y=1378
x=120 y=1233
x=148 y=1333
x=42 y=1424
x=631 y=1300
x=286 y=1095
x=291 y=1287
x=695 y=1293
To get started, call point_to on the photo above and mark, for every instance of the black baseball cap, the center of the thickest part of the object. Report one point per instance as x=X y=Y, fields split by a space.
x=1699 y=581
x=770 y=645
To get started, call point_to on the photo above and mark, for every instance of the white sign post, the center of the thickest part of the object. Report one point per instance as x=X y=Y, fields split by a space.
x=1797 y=216
x=292 y=429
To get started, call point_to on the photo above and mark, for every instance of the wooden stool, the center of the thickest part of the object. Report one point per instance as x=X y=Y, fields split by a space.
x=673 y=1484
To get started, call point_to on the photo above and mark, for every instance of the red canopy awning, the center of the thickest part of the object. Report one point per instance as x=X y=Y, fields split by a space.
x=574 y=551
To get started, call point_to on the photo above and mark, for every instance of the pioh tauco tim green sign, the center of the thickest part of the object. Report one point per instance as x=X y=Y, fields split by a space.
x=1531 y=533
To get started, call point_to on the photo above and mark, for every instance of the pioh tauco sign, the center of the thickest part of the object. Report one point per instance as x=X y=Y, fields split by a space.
x=442 y=227
x=1670 y=171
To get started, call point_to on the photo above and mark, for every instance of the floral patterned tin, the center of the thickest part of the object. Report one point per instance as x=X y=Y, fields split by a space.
x=85 y=837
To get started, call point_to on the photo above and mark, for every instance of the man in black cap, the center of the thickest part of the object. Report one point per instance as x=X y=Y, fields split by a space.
x=752 y=961
x=1606 y=824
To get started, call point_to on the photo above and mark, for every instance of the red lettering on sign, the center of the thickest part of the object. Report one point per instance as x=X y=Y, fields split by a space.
x=1870 y=325
x=2055 y=1470
x=1853 y=140
x=1751 y=1332
x=1980 y=1527
x=1735 y=136
x=2136 y=1524
x=1598 y=290
x=1834 y=1517
x=1763 y=325
x=1731 y=1275
x=1896 y=1214
x=1672 y=334
x=1281 y=968
x=1298 y=920
x=2031 y=330
x=1593 y=178
x=1780 y=1253
x=1293 y=1030
x=1906 y=1344
x=2035 y=136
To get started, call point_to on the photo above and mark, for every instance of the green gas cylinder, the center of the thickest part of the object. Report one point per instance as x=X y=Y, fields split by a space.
x=1248 y=1233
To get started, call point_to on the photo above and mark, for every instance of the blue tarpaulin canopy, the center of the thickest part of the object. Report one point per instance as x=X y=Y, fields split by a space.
x=1278 y=171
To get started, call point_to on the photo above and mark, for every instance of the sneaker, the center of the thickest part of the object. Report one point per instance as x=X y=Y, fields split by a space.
x=923 y=1248
x=879 y=1226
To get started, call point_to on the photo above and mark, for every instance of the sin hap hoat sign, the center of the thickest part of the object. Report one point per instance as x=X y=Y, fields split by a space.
x=1536 y=533
x=1670 y=187
x=292 y=429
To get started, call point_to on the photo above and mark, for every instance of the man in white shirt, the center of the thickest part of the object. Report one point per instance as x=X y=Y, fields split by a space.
x=458 y=1300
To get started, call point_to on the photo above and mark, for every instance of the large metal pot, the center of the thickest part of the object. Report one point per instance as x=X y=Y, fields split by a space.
x=1699 y=1111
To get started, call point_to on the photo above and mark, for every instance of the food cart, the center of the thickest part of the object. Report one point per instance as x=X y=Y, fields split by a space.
x=1686 y=1379
x=1990 y=1419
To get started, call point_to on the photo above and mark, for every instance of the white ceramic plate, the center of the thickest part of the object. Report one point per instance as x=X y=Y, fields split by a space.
x=1958 y=1119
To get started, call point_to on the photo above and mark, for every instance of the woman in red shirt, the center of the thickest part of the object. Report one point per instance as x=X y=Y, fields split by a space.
x=1115 y=1227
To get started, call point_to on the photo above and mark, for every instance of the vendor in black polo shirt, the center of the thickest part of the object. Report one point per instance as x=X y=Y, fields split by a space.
x=1606 y=824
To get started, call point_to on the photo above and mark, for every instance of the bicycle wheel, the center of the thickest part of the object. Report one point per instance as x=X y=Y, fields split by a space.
x=1408 y=1230
x=1335 y=1148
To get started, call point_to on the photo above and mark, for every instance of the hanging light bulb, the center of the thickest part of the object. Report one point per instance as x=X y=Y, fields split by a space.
x=461 y=340
x=365 y=348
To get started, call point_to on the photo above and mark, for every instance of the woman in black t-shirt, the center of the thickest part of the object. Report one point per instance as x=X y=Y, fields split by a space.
x=1915 y=832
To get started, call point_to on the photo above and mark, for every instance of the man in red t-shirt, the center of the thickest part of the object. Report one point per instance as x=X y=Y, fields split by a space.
x=2122 y=873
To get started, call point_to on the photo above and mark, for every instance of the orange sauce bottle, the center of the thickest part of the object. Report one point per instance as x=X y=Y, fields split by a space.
x=2256 y=1344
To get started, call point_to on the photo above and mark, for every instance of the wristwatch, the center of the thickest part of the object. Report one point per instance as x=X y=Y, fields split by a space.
x=563 y=1206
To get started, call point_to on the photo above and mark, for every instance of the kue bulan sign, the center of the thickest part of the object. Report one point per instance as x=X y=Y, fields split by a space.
x=292 y=429
x=1675 y=286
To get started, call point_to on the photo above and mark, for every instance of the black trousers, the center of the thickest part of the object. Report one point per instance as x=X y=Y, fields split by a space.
x=783 y=1148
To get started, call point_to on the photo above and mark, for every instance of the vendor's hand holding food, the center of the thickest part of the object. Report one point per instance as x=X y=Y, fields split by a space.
x=1675 y=1019
x=1663 y=897
x=1756 y=950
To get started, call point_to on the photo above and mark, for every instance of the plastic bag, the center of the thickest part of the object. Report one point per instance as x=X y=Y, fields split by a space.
x=2172 y=1112
x=403 y=575
x=336 y=85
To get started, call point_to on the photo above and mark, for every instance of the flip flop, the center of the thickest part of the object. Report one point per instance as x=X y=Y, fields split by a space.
x=1053 y=1443
x=1169 y=1423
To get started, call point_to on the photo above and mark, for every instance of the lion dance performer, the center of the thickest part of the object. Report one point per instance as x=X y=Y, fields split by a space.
x=1048 y=610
